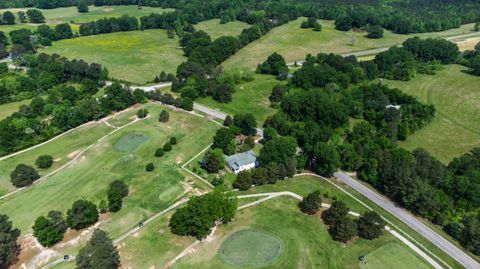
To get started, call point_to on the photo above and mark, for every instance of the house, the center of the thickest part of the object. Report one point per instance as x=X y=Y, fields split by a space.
x=393 y=106
x=241 y=161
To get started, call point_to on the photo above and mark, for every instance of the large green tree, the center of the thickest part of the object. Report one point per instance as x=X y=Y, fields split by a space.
x=50 y=230
x=82 y=214
x=370 y=225
x=98 y=253
x=337 y=211
x=343 y=230
x=9 y=249
x=311 y=203
x=224 y=140
x=23 y=175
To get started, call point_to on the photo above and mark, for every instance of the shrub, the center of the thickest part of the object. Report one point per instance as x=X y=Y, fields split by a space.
x=117 y=191
x=142 y=113
x=164 y=116
x=173 y=140
x=44 y=161
x=167 y=147
x=149 y=167
x=243 y=181
x=214 y=160
x=23 y=175
x=82 y=214
x=311 y=203
x=159 y=152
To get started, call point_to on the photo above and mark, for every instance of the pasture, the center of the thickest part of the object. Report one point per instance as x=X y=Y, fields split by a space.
x=249 y=97
x=216 y=30
x=135 y=57
x=456 y=96
x=294 y=43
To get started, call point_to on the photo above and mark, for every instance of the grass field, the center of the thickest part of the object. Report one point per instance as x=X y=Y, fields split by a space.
x=89 y=176
x=216 y=30
x=294 y=43
x=456 y=96
x=136 y=57
x=393 y=254
x=71 y=14
x=250 y=97
x=7 y=109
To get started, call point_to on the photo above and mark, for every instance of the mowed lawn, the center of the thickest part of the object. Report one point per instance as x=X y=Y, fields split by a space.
x=89 y=176
x=9 y=108
x=216 y=30
x=135 y=57
x=295 y=43
x=249 y=97
x=456 y=127
x=306 y=243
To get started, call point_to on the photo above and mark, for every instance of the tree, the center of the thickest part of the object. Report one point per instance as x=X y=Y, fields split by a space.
x=326 y=160
x=8 y=18
x=159 y=152
x=149 y=167
x=23 y=175
x=477 y=26
x=277 y=94
x=475 y=65
x=167 y=147
x=291 y=167
x=98 y=253
x=214 y=160
x=338 y=210
x=274 y=65
x=35 y=16
x=164 y=116
x=22 y=17
x=173 y=140
x=343 y=230
x=311 y=203
x=202 y=213
x=117 y=191
x=224 y=140
x=142 y=113
x=370 y=225
x=228 y=121
x=246 y=122
x=82 y=6
x=82 y=214
x=44 y=161
x=243 y=181
x=50 y=230
x=278 y=150
x=374 y=31
x=63 y=31
x=9 y=249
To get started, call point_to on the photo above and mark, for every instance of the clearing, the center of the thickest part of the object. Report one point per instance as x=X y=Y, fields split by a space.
x=456 y=96
x=9 y=108
x=136 y=56
x=216 y=30
x=294 y=43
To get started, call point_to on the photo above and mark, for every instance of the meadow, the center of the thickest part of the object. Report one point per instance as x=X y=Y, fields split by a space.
x=135 y=57
x=216 y=30
x=8 y=108
x=88 y=176
x=456 y=96
x=295 y=43
x=249 y=97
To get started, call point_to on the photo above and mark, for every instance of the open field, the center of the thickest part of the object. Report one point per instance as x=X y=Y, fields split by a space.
x=393 y=254
x=71 y=14
x=8 y=108
x=456 y=96
x=136 y=56
x=305 y=241
x=294 y=43
x=216 y=30
x=250 y=97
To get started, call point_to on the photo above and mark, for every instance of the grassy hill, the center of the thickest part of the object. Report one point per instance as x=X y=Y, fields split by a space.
x=456 y=96
x=136 y=56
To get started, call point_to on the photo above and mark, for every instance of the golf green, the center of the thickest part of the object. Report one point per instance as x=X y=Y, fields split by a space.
x=129 y=142
x=251 y=248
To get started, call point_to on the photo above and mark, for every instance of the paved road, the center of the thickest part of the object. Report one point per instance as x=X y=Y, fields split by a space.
x=461 y=257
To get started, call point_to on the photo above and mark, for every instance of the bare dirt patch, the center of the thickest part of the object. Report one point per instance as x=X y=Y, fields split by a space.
x=73 y=154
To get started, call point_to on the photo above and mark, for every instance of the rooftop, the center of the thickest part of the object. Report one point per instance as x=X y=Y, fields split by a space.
x=241 y=159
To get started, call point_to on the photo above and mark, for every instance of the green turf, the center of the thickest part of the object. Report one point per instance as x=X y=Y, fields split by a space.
x=9 y=108
x=393 y=254
x=294 y=43
x=307 y=243
x=251 y=248
x=136 y=56
x=250 y=97
x=216 y=30
x=89 y=176
x=456 y=96
x=129 y=142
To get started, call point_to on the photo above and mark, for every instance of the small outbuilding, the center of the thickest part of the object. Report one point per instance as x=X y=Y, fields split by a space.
x=241 y=161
